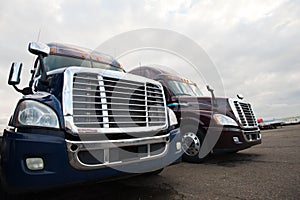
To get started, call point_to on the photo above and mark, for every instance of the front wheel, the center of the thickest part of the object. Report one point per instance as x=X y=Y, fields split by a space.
x=191 y=144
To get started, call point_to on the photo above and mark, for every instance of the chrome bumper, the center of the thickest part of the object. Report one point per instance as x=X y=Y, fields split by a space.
x=253 y=135
x=103 y=151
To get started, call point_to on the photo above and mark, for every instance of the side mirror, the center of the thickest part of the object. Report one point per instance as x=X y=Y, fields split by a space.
x=38 y=48
x=240 y=96
x=209 y=88
x=213 y=98
x=15 y=73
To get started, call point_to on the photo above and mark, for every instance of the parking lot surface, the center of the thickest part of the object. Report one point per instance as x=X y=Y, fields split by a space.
x=267 y=171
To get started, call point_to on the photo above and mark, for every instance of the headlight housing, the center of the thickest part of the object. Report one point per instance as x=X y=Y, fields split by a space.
x=33 y=113
x=224 y=120
x=172 y=118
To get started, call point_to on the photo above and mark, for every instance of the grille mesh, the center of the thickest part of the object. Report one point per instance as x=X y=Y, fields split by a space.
x=105 y=102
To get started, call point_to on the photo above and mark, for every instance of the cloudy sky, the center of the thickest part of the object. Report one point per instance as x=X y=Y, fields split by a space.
x=254 y=45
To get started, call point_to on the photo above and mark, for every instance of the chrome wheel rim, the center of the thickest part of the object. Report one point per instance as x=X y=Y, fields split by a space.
x=191 y=144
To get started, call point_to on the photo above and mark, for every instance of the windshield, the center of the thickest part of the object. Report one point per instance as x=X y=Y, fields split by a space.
x=196 y=90
x=53 y=62
x=180 y=88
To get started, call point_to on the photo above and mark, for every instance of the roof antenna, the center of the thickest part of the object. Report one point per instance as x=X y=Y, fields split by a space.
x=140 y=67
x=38 y=38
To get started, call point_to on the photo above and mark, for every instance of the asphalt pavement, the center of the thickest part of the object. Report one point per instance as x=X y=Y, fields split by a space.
x=267 y=171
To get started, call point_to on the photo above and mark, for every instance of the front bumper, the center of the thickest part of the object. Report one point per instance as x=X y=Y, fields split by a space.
x=87 y=155
x=58 y=170
x=235 y=139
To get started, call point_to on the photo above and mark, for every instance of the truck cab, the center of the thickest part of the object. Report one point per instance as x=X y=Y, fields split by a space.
x=201 y=117
x=83 y=119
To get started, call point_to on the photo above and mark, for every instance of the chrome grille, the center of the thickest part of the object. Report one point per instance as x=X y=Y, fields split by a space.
x=245 y=114
x=106 y=102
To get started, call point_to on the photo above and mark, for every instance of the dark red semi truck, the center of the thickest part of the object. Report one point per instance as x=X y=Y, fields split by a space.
x=199 y=115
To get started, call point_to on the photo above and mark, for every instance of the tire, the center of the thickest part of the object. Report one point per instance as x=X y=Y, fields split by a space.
x=191 y=144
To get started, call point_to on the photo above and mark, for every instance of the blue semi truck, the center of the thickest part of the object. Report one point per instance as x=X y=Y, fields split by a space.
x=81 y=119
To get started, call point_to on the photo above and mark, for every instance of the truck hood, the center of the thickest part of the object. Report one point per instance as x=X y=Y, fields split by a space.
x=202 y=103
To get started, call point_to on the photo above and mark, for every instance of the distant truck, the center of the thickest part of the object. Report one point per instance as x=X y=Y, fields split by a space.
x=269 y=124
x=197 y=113
x=83 y=119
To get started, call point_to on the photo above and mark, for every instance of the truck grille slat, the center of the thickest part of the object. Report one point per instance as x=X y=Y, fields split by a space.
x=123 y=82
x=119 y=98
x=91 y=109
x=121 y=104
x=85 y=84
x=96 y=122
x=122 y=88
x=111 y=115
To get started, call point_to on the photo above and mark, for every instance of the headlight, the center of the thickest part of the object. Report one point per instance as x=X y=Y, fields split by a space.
x=224 y=120
x=172 y=117
x=33 y=113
